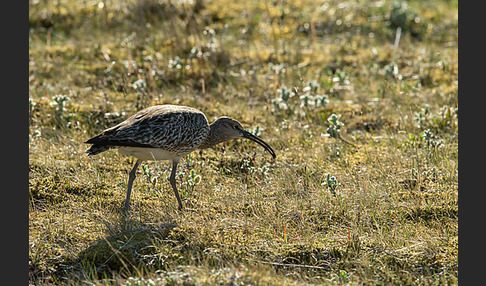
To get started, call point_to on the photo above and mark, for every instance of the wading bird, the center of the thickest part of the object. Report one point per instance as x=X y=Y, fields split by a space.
x=167 y=132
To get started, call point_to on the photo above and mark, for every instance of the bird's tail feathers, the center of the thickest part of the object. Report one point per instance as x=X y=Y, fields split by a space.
x=96 y=149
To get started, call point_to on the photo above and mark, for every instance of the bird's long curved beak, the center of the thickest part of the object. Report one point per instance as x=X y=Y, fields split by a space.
x=254 y=138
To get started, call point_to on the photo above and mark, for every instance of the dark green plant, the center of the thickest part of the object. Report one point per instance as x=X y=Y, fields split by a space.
x=408 y=20
x=311 y=98
x=150 y=176
x=331 y=183
x=62 y=118
x=445 y=119
x=335 y=126
x=282 y=102
x=193 y=180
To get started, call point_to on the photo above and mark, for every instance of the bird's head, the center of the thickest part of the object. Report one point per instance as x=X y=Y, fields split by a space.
x=227 y=128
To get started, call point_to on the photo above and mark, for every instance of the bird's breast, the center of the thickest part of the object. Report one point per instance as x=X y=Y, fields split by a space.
x=148 y=154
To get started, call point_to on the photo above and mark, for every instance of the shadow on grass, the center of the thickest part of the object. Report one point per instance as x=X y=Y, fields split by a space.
x=129 y=248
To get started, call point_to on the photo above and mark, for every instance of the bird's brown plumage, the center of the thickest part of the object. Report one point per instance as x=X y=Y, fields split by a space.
x=167 y=132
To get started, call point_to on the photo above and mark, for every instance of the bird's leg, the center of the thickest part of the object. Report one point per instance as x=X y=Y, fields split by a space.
x=131 y=178
x=172 y=180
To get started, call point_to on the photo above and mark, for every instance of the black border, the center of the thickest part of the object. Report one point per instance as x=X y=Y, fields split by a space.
x=15 y=145
x=472 y=51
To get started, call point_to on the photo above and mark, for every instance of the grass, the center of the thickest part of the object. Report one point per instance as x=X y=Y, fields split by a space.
x=358 y=99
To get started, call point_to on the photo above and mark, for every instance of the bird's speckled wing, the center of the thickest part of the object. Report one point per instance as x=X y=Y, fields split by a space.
x=172 y=128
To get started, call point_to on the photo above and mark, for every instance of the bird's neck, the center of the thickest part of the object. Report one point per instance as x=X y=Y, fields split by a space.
x=213 y=137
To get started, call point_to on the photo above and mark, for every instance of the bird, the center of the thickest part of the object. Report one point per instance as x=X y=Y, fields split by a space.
x=167 y=132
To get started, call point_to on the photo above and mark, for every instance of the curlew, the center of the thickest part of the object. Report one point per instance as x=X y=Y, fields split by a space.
x=167 y=132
